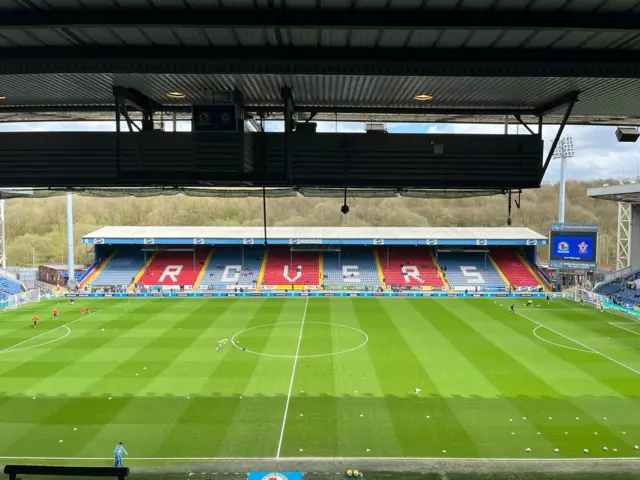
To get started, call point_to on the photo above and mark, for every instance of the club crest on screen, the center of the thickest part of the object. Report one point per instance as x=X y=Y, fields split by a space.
x=563 y=247
x=582 y=247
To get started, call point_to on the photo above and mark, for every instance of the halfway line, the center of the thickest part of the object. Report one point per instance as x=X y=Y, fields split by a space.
x=293 y=375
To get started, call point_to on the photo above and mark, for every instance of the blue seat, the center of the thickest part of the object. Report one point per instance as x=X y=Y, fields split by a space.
x=227 y=268
x=9 y=286
x=470 y=270
x=121 y=269
x=355 y=267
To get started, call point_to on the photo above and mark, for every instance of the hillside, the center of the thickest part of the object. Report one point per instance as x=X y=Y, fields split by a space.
x=36 y=228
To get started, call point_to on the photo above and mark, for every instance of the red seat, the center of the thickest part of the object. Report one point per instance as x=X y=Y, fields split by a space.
x=174 y=268
x=409 y=267
x=511 y=265
x=281 y=270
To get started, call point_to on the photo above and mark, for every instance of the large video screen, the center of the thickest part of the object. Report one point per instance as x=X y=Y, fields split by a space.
x=573 y=245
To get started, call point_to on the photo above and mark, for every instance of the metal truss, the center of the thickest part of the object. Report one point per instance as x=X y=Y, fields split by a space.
x=624 y=235
x=321 y=18
x=3 y=242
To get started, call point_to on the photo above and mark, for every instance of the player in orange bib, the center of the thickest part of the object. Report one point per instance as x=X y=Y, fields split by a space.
x=35 y=321
x=55 y=313
x=85 y=310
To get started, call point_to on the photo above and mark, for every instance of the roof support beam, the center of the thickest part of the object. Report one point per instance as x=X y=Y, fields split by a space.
x=556 y=103
x=319 y=18
x=518 y=117
x=554 y=145
x=322 y=61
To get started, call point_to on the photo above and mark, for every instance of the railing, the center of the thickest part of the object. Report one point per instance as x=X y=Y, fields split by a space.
x=623 y=272
x=8 y=274
x=59 y=471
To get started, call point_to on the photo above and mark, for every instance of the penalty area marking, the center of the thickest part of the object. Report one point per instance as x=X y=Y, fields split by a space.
x=592 y=350
x=557 y=344
x=366 y=340
x=619 y=325
x=12 y=348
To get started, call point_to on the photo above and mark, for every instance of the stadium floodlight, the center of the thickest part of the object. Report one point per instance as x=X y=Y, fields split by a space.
x=564 y=151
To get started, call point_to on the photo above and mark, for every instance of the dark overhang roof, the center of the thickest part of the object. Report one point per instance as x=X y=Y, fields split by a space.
x=628 y=193
x=362 y=59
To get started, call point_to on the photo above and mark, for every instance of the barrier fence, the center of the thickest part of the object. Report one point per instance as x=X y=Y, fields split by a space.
x=311 y=294
x=14 y=301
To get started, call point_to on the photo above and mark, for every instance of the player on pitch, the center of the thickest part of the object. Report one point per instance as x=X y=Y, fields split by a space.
x=35 y=321
x=55 y=313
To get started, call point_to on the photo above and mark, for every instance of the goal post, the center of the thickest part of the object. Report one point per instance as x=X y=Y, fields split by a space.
x=580 y=294
x=14 y=301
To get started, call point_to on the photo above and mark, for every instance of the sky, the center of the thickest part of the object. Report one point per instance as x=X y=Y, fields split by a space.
x=598 y=154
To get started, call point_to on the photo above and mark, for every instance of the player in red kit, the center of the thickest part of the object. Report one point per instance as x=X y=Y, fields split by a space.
x=85 y=310
x=35 y=321
x=55 y=313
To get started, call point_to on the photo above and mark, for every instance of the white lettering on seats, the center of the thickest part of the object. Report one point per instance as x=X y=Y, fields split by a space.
x=285 y=273
x=171 y=271
x=231 y=274
x=409 y=272
x=350 y=274
x=472 y=274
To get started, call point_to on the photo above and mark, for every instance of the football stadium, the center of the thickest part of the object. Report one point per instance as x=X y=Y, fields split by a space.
x=365 y=343
x=319 y=239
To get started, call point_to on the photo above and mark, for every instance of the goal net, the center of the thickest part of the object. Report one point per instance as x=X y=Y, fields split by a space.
x=582 y=295
x=14 y=301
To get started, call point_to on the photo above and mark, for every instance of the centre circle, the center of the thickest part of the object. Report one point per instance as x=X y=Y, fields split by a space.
x=281 y=339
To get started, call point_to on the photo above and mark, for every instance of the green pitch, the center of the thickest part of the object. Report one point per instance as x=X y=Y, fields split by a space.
x=318 y=377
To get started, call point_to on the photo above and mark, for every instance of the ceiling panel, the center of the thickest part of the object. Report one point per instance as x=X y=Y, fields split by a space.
x=423 y=38
x=544 y=39
x=483 y=38
x=599 y=96
x=21 y=38
x=619 y=6
x=453 y=38
x=603 y=40
x=132 y=36
x=514 y=38
x=392 y=38
x=573 y=39
x=334 y=38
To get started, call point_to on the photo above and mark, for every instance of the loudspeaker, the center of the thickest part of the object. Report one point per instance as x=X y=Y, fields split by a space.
x=627 y=134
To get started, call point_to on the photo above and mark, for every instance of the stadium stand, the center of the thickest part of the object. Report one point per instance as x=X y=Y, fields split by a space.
x=622 y=291
x=291 y=268
x=469 y=269
x=354 y=267
x=610 y=288
x=226 y=268
x=120 y=270
x=9 y=286
x=510 y=262
x=409 y=267
x=173 y=268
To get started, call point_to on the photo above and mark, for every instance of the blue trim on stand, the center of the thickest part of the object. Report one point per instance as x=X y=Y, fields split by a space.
x=306 y=294
x=310 y=241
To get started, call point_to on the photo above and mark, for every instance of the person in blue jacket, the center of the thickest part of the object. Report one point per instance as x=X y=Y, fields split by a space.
x=118 y=452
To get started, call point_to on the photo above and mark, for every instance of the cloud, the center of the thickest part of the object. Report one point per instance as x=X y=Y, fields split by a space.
x=598 y=155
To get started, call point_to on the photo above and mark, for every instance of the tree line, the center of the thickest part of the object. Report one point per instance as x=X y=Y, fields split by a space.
x=36 y=228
